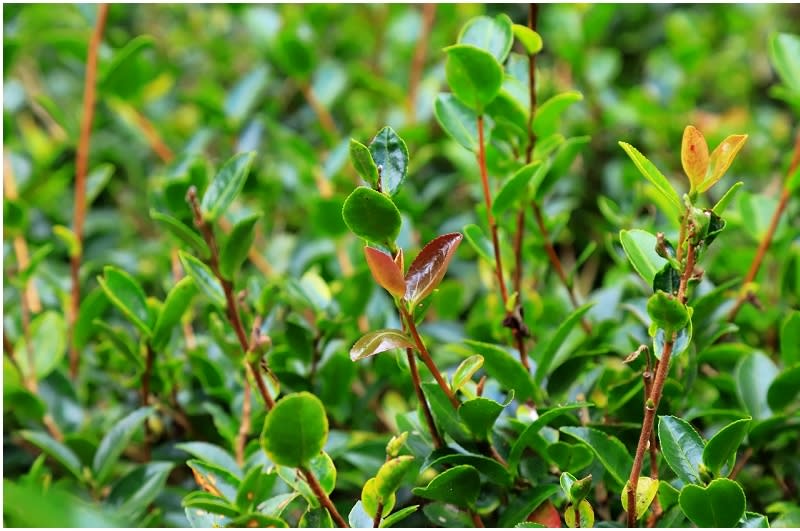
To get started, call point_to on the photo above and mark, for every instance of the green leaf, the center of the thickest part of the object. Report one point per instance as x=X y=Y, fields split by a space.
x=93 y=305
x=385 y=271
x=58 y=451
x=754 y=375
x=203 y=501
x=545 y=122
x=234 y=252
x=682 y=447
x=459 y=485
x=241 y=100
x=457 y=120
x=370 y=499
x=652 y=174
x=667 y=312
x=391 y=473
x=723 y=202
x=121 y=341
x=608 y=450
x=114 y=443
x=474 y=76
x=721 y=159
x=444 y=413
x=372 y=216
x=132 y=495
x=506 y=369
x=321 y=465
x=480 y=414
x=69 y=239
x=466 y=369
x=640 y=248
x=489 y=468
x=646 y=490
x=362 y=161
x=256 y=520
x=569 y=457
x=15 y=216
x=226 y=185
x=784 y=53
x=514 y=188
x=531 y=41
x=390 y=154
x=784 y=388
x=723 y=445
x=492 y=35
x=428 y=268
x=295 y=430
x=753 y=520
x=255 y=487
x=203 y=278
x=48 y=335
x=721 y=504
x=479 y=242
x=127 y=295
x=293 y=55
x=545 y=359
x=668 y=280
x=379 y=341
x=180 y=231
x=397 y=516
x=213 y=454
x=790 y=339
x=585 y=515
x=575 y=489
x=178 y=300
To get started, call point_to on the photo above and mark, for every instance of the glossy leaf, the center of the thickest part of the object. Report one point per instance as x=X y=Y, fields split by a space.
x=178 y=300
x=385 y=271
x=646 y=490
x=379 y=341
x=257 y=520
x=93 y=305
x=444 y=414
x=132 y=495
x=295 y=430
x=213 y=454
x=585 y=515
x=362 y=161
x=640 y=248
x=754 y=375
x=652 y=174
x=608 y=450
x=753 y=520
x=398 y=515
x=48 y=333
x=390 y=475
x=57 y=450
x=459 y=485
x=480 y=414
x=234 y=251
x=721 y=504
x=505 y=368
x=226 y=185
x=721 y=159
x=203 y=278
x=428 y=268
x=719 y=207
x=474 y=76
x=114 y=443
x=667 y=312
x=694 y=155
x=790 y=338
x=215 y=480
x=466 y=369
x=668 y=280
x=390 y=154
x=127 y=295
x=682 y=447
x=489 y=469
x=723 y=445
x=370 y=499
x=531 y=41
x=545 y=359
x=255 y=487
x=372 y=216
x=784 y=388
x=479 y=242
x=514 y=188
x=492 y=35
x=784 y=51
x=181 y=232
x=457 y=120
x=548 y=114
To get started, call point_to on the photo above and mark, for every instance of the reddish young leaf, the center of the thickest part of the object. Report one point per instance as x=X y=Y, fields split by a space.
x=694 y=155
x=721 y=159
x=379 y=341
x=385 y=271
x=429 y=267
x=546 y=514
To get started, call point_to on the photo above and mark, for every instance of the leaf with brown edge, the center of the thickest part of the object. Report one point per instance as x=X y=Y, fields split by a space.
x=429 y=267
x=385 y=271
x=721 y=159
x=694 y=155
x=379 y=341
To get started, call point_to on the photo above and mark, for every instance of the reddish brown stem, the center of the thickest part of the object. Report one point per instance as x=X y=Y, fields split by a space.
x=244 y=427
x=476 y=519
x=325 y=118
x=740 y=463
x=81 y=167
x=153 y=138
x=418 y=62
x=231 y=308
x=426 y=358
x=376 y=522
x=426 y=410
x=767 y=241
x=149 y=360
x=323 y=498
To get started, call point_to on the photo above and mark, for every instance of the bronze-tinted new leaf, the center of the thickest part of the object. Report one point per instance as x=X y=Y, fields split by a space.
x=379 y=341
x=694 y=155
x=429 y=267
x=385 y=271
x=721 y=159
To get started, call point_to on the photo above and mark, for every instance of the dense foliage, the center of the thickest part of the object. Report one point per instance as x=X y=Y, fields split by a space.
x=387 y=265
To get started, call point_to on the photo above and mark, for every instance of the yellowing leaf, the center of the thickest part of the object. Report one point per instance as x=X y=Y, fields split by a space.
x=694 y=155
x=721 y=159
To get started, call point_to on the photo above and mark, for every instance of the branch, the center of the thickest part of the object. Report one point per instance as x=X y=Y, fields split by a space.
x=418 y=62
x=773 y=225
x=81 y=167
x=323 y=498
x=325 y=118
x=145 y=393
x=426 y=410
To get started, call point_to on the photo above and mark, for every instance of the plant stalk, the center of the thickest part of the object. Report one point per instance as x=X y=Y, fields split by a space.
x=426 y=410
x=323 y=498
